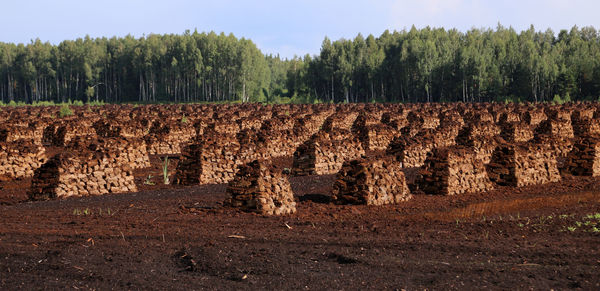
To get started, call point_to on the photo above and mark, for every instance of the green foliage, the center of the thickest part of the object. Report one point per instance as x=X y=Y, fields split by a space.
x=65 y=110
x=415 y=65
x=184 y=119
x=165 y=170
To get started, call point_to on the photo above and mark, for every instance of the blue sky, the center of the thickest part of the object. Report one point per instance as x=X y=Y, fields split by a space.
x=287 y=27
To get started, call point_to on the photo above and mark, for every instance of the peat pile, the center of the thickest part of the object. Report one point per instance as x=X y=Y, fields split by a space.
x=523 y=164
x=585 y=126
x=481 y=136
x=453 y=170
x=324 y=153
x=104 y=128
x=131 y=152
x=33 y=131
x=516 y=132
x=584 y=158
x=20 y=158
x=211 y=160
x=167 y=139
x=394 y=119
x=555 y=128
x=340 y=120
x=80 y=174
x=60 y=133
x=260 y=187
x=375 y=181
x=534 y=116
x=376 y=137
x=412 y=151
x=423 y=119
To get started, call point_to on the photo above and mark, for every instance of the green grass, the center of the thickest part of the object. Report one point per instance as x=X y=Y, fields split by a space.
x=166 y=171
x=89 y=212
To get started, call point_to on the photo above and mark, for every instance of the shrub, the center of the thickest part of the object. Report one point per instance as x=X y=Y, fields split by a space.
x=65 y=110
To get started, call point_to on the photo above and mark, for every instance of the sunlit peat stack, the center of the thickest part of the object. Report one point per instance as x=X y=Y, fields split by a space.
x=375 y=181
x=260 y=187
x=105 y=128
x=394 y=119
x=60 y=133
x=325 y=152
x=20 y=158
x=584 y=123
x=481 y=136
x=167 y=139
x=211 y=160
x=516 y=132
x=423 y=119
x=33 y=131
x=558 y=133
x=412 y=151
x=534 y=116
x=523 y=164
x=376 y=137
x=453 y=170
x=131 y=152
x=81 y=174
x=340 y=120
x=584 y=158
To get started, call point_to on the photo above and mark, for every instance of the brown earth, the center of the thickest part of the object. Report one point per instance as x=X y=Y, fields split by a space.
x=174 y=237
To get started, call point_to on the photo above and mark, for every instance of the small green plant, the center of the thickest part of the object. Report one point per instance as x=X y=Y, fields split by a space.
x=166 y=171
x=65 y=110
x=184 y=119
x=571 y=228
x=148 y=180
x=79 y=212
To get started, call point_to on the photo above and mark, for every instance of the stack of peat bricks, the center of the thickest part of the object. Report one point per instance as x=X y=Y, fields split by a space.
x=558 y=133
x=167 y=139
x=523 y=164
x=104 y=128
x=340 y=120
x=584 y=158
x=20 y=158
x=376 y=137
x=211 y=160
x=411 y=152
x=262 y=188
x=481 y=136
x=325 y=153
x=453 y=170
x=516 y=132
x=394 y=119
x=376 y=181
x=534 y=116
x=81 y=174
x=131 y=152
x=423 y=119
x=60 y=133
x=584 y=123
x=33 y=131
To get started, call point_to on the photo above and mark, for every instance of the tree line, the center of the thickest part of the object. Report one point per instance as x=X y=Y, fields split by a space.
x=416 y=65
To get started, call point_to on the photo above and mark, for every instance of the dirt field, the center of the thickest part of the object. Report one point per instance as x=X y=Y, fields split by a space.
x=532 y=223
x=183 y=238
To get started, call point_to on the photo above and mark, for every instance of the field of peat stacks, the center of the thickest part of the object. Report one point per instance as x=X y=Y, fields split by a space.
x=342 y=196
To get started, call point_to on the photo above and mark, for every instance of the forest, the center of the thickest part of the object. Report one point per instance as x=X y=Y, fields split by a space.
x=415 y=65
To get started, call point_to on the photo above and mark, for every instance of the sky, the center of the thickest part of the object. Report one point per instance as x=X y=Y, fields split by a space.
x=284 y=27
